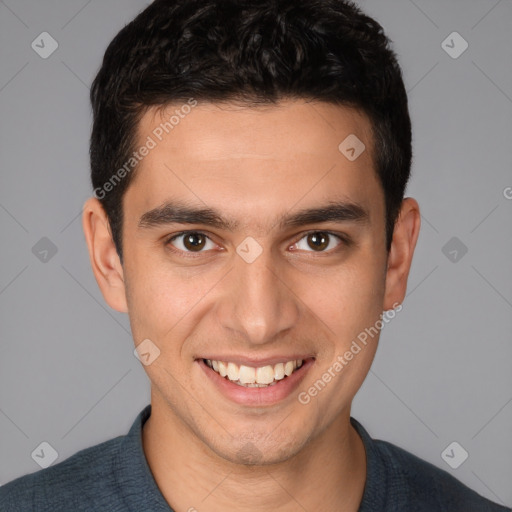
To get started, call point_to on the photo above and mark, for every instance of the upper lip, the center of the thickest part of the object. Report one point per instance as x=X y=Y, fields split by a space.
x=257 y=362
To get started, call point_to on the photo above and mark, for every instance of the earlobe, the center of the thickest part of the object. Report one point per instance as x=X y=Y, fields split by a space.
x=105 y=262
x=405 y=236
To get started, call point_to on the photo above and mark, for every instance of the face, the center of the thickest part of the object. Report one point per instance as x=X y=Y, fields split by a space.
x=252 y=245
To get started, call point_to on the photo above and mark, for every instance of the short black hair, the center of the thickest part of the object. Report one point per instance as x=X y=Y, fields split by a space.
x=252 y=52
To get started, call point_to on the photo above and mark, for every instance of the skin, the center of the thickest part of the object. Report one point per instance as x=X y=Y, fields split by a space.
x=253 y=165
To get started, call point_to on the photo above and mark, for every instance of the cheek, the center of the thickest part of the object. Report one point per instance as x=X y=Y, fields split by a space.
x=347 y=299
x=162 y=303
x=351 y=305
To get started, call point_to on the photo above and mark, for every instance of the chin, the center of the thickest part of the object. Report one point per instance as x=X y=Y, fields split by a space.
x=250 y=451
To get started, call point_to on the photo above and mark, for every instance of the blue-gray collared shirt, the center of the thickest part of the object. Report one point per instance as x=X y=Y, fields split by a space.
x=114 y=476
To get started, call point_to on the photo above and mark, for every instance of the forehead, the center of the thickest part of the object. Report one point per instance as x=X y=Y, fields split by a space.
x=225 y=131
x=269 y=158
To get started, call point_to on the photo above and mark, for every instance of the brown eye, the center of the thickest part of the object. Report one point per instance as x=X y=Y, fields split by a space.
x=318 y=241
x=194 y=241
x=191 y=241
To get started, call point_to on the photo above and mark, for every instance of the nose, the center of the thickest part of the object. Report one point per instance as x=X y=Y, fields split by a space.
x=258 y=304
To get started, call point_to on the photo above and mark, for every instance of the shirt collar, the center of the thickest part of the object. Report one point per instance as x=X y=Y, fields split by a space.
x=133 y=471
x=374 y=495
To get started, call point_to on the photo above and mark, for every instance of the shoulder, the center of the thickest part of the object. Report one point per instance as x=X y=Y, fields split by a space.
x=426 y=487
x=69 y=485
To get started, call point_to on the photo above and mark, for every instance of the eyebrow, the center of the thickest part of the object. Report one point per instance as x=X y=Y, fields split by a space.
x=174 y=212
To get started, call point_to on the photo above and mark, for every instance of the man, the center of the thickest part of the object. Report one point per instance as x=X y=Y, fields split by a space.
x=249 y=162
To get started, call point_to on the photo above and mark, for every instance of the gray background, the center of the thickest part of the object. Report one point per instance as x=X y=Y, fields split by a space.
x=443 y=369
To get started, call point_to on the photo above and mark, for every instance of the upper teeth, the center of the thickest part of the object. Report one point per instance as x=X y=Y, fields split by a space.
x=247 y=375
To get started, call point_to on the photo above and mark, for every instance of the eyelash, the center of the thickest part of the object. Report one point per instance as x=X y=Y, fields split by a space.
x=189 y=254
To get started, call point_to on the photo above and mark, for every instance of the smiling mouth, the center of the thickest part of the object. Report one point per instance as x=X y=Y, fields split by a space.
x=254 y=377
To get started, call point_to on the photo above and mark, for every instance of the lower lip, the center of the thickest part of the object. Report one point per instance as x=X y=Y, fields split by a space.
x=269 y=395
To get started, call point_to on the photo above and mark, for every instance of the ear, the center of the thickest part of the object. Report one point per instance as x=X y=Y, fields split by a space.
x=105 y=262
x=405 y=236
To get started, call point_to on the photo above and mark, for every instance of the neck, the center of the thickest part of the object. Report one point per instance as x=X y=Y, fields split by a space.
x=328 y=474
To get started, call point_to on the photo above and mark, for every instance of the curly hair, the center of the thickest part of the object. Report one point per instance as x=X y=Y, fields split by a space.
x=251 y=52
